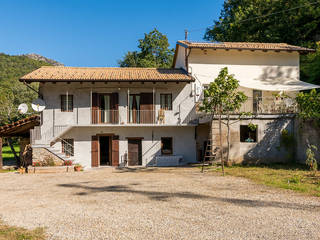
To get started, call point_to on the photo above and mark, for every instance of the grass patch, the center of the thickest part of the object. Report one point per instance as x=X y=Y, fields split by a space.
x=294 y=176
x=16 y=233
x=7 y=154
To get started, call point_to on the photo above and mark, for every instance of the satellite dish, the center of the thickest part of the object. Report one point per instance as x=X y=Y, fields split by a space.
x=23 y=108
x=38 y=105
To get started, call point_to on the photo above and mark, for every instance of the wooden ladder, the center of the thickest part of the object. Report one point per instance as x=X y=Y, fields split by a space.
x=211 y=150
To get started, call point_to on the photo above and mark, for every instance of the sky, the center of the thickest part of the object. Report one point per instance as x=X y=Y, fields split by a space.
x=97 y=33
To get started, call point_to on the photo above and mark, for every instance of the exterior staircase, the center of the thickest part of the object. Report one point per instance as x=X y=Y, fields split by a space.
x=54 y=151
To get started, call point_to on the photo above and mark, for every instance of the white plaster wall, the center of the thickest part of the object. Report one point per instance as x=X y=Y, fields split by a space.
x=244 y=65
x=183 y=101
x=180 y=61
x=184 y=142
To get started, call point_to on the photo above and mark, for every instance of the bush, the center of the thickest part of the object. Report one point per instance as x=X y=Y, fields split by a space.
x=48 y=161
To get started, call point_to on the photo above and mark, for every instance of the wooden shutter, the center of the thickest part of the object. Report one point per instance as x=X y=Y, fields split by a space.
x=114 y=102
x=95 y=108
x=94 y=151
x=146 y=107
x=115 y=150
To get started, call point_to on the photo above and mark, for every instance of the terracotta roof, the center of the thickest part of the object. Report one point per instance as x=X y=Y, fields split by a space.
x=244 y=46
x=79 y=74
x=19 y=127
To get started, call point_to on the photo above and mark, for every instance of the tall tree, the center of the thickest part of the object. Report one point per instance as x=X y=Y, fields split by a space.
x=154 y=52
x=294 y=22
x=223 y=98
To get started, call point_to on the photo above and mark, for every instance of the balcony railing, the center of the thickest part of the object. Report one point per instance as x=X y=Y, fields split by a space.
x=105 y=116
x=269 y=105
x=141 y=117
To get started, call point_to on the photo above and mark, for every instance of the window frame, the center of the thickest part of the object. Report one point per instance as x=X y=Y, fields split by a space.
x=255 y=140
x=171 y=146
x=66 y=102
x=166 y=101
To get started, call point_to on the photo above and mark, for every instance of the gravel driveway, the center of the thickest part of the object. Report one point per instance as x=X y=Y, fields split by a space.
x=155 y=204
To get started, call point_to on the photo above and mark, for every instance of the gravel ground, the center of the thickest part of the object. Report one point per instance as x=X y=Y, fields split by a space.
x=155 y=204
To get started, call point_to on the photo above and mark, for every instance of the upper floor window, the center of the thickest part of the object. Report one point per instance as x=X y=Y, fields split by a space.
x=66 y=103
x=166 y=101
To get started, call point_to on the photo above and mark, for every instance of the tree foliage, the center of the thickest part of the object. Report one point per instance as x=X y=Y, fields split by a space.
x=154 y=52
x=13 y=92
x=294 y=22
x=309 y=105
x=223 y=98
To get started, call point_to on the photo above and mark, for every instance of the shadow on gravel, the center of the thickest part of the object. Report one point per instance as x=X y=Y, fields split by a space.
x=166 y=196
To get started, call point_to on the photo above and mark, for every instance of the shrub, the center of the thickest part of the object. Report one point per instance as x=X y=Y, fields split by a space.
x=48 y=161
x=311 y=161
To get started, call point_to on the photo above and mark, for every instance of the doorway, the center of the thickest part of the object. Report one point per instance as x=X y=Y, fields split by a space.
x=105 y=151
x=134 y=152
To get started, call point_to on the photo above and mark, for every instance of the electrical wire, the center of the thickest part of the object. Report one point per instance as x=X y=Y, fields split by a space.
x=263 y=16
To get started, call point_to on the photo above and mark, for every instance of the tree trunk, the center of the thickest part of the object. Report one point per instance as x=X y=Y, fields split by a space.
x=220 y=133
x=14 y=152
x=228 y=138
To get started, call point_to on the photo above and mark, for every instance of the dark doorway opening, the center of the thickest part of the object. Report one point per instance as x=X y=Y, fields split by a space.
x=134 y=152
x=105 y=151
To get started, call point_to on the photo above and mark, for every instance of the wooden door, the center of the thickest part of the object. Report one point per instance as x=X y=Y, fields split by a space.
x=146 y=106
x=94 y=151
x=134 y=152
x=115 y=150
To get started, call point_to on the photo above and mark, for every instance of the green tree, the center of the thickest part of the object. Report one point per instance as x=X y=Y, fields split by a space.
x=294 y=22
x=223 y=98
x=154 y=52
x=309 y=105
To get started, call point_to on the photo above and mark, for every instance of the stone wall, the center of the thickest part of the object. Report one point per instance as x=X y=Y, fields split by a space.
x=306 y=132
x=42 y=154
x=267 y=149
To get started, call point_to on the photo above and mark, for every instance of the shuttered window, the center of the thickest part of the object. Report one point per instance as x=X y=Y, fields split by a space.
x=166 y=101
x=66 y=103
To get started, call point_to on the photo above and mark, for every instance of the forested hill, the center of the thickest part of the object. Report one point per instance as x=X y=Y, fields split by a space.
x=12 y=92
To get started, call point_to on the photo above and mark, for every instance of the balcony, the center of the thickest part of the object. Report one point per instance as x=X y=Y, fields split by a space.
x=270 y=105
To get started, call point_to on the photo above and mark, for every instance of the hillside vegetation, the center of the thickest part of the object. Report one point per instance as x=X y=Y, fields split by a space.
x=13 y=92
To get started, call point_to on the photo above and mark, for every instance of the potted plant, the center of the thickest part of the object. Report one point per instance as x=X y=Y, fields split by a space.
x=77 y=167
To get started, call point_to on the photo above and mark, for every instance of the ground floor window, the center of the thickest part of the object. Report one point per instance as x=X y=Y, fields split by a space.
x=248 y=134
x=67 y=147
x=166 y=145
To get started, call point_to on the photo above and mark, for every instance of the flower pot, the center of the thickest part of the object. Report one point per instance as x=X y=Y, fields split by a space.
x=22 y=170
x=77 y=168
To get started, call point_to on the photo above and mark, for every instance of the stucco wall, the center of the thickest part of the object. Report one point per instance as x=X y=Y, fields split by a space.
x=182 y=101
x=183 y=141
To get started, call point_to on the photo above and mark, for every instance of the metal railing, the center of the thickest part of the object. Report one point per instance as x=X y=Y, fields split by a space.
x=270 y=105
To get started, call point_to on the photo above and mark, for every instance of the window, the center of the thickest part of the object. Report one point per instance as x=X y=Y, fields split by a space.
x=257 y=99
x=68 y=147
x=166 y=101
x=247 y=134
x=66 y=103
x=166 y=145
